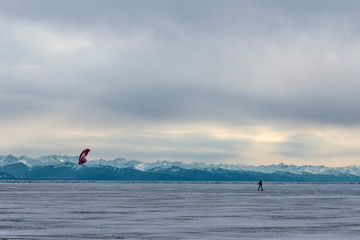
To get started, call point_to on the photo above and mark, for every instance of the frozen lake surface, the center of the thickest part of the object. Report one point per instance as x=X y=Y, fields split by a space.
x=158 y=210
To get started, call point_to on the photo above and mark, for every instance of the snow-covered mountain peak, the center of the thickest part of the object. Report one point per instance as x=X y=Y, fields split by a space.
x=121 y=163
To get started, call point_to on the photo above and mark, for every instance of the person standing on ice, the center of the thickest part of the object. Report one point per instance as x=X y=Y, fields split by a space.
x=260 y=186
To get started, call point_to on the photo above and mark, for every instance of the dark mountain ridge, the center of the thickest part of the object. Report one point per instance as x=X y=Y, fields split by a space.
x=66 y=168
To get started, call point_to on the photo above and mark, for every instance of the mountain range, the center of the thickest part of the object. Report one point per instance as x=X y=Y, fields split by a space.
x=56 y=167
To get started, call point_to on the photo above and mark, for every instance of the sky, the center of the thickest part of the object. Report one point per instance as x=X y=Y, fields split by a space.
x=234 y=82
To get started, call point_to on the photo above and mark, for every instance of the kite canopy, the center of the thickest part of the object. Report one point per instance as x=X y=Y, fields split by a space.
x=82 y=156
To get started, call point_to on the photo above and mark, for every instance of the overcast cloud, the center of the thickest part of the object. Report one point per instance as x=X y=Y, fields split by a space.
x=246 y=82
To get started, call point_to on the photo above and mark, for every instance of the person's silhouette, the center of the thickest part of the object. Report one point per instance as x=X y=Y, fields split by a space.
x=260 y=186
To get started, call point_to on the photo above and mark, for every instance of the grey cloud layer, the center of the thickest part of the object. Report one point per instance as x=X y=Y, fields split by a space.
x=194 y=104
x=234 y=61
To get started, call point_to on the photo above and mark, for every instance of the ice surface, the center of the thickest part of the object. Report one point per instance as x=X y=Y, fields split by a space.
x=188 y=210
